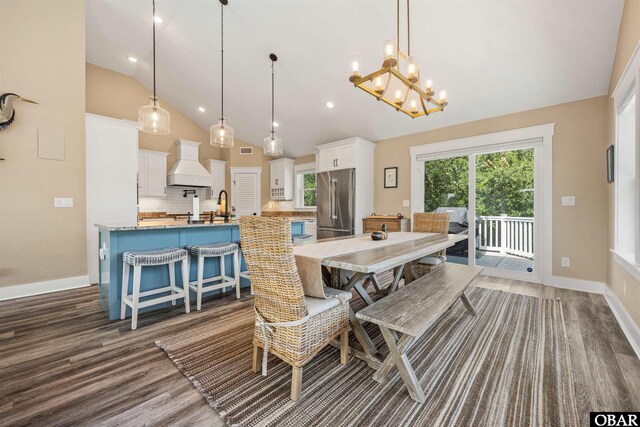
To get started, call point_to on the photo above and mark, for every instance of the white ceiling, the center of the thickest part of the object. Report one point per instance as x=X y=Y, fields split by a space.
x=492 y=58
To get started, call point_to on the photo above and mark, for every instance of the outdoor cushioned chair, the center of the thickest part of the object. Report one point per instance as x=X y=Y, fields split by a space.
x=429 y=222
x=289 y=324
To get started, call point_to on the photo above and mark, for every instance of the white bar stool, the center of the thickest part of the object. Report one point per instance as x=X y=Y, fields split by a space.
x=139 y=259
x=217 y=250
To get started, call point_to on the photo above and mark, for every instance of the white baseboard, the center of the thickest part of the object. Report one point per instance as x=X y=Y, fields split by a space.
x=629 y=327
x=29 y=289
x=576 y=284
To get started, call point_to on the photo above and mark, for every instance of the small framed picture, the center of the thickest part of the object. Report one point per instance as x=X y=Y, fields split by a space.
x=610 y=164
x=391 y=177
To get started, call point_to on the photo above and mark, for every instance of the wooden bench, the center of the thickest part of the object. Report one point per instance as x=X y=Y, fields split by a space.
x=411 y=310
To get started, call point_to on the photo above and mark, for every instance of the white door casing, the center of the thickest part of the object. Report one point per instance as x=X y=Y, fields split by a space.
x=245 y=190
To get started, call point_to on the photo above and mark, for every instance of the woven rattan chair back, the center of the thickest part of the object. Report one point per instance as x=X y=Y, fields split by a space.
x=429 y=222
x=268 y=253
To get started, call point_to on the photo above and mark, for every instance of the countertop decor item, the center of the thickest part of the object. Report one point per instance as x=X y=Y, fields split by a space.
x=391 y=177
x=221 y=134
x=7 y=112
x=380 y=235
x=152 y=118
x=398 y=82
x=272 y=143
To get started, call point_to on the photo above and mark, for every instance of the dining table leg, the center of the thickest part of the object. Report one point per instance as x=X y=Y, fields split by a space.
x=396 y=278
x=361 y=335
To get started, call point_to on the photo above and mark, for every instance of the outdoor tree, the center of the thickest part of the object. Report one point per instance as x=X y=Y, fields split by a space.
x=504 y=183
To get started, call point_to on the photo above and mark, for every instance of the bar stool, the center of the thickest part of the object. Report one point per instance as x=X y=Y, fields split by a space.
x=139 y=259
x=217 y=250
x=244 y=273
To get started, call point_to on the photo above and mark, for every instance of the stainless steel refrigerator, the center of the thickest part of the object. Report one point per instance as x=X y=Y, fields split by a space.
x=336 y=197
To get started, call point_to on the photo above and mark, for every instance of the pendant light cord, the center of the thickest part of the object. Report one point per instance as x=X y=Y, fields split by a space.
x=397 y=31
x=153 y=19
x=222 y=61
x=408 y=32
x=272 y=100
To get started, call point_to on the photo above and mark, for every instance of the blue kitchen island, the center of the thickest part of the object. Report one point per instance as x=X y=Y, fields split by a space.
x=147 y=235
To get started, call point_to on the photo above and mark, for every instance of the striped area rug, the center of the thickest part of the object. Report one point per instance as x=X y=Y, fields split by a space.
x=510 y=366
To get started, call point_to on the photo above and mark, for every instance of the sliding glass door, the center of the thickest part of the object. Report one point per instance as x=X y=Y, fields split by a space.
x=492 y=198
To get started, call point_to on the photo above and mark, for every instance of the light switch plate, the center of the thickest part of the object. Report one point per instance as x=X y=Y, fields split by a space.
x=568 y=200
x=63 y=202
x=406 y=203
x=565 y=261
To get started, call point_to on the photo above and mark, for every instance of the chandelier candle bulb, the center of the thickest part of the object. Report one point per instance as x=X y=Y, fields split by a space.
x=378 y=83
x=414 y=106
x=355 y=68
x=443 y=96
x=398 y=97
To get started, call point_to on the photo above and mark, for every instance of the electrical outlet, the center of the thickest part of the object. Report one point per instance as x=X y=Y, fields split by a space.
x=63 y=202
x=568 y=200
x=565 y=261
x=406 y=203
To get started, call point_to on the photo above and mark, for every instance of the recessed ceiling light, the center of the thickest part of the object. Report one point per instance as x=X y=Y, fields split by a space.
x=201 y=109
x=275 y=124
x=158 y=19
x=329 y=104
x=132 y=59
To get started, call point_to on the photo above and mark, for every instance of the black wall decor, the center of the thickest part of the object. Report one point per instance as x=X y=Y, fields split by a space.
x=610 y=164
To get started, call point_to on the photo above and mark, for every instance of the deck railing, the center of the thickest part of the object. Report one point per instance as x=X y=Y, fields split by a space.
x=507 y=235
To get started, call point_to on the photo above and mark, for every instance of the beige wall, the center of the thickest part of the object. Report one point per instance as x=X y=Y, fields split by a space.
x=42 y=51
x=311 y=158
x=578 y=169
x=623 y=285
x=117 y=95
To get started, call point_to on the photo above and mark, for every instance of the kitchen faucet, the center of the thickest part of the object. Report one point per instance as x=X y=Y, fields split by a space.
x=225 y=214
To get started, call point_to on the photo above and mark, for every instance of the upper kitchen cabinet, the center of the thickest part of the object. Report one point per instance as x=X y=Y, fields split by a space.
x=152 y=173
x=281 y=179
x=345 y=154
x=217 y=168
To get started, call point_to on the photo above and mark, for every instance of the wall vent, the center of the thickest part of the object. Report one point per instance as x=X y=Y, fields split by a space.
x=246 y=150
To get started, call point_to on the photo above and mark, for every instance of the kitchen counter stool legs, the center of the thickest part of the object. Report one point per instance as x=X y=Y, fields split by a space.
x=139 y=259
x=220 y=251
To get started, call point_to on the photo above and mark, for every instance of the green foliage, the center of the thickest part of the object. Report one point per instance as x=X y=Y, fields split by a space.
x=504 y=183
x=309 y=189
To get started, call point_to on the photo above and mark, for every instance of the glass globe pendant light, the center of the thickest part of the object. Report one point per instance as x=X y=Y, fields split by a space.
x=221 y=134
x=272 y=144
x=152 y=118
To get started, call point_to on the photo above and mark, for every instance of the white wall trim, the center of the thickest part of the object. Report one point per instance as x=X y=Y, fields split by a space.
x=110 y=120
x=486 y=140
x=234 y=170
x=627 y=78
x=576 y=284
x=38 y=288
x=629 y=327
x=628 y=266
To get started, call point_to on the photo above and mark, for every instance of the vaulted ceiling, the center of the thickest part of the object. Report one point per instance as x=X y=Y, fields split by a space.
x=492 y=58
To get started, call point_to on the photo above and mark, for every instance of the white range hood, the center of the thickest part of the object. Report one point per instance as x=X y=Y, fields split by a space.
x=187 y=171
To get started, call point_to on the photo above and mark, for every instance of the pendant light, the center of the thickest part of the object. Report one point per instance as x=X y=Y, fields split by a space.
x=221 y=134
x=272 y=144
x=152 y=118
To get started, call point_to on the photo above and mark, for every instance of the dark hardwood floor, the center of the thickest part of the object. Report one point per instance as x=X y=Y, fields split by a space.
x=62 y=362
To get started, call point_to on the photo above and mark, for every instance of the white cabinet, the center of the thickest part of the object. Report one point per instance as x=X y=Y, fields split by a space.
x=281 y=179
x=337 y=157
x=217 y=168
x=350 y=153
x=152 y=173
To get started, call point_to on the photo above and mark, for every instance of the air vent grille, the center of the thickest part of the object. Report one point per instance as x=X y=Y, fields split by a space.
x=246 y=150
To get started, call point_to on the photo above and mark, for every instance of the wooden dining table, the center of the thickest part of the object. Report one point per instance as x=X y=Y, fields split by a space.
x=358 y=263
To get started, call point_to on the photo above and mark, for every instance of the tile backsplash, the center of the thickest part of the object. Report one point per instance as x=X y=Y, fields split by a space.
x=176 y=203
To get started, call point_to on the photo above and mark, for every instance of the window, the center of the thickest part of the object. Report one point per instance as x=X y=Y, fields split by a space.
x=627 y=167
x=305 y=185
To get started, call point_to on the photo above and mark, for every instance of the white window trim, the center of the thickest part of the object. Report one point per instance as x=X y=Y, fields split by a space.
x=627 y=84
x=541 y=135
x=303 y=167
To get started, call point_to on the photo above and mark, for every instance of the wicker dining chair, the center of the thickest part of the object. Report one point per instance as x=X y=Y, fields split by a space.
x=429 y=222
x=289 y=325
